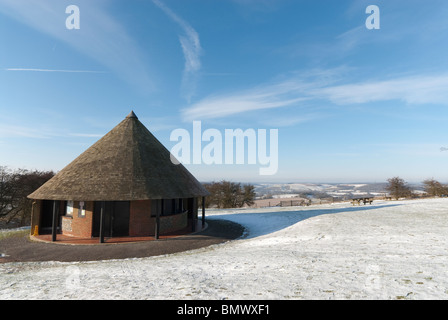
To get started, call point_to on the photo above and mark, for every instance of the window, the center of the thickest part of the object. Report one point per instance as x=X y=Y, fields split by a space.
x=69 y=211
x=155 y=207
x=81 y=210
x=170 y=206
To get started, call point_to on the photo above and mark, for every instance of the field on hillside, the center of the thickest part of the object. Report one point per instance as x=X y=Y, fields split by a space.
x=387 y=250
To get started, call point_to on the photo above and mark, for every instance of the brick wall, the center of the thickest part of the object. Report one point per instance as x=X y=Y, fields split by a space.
x=79 y=226
x=140 y=222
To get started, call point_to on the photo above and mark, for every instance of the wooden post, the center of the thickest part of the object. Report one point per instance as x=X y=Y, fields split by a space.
x=55 y=220
x=112 y=219
x=194 y=214
x=102 y=219
x=158 y=220
x=203 y=212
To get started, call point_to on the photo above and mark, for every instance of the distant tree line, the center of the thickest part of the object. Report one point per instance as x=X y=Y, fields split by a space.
x=226 y=194
x=15 y=186
x=398 y=188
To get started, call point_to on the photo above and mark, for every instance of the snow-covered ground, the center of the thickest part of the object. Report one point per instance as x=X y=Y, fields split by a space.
x=389 y=250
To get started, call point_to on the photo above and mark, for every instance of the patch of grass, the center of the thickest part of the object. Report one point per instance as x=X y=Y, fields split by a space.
x=13 y=233
x=407 y=281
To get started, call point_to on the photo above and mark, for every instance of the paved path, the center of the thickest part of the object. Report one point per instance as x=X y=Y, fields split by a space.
x=21 y=249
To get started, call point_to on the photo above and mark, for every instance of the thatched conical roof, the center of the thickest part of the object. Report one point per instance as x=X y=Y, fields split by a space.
x=127 y=164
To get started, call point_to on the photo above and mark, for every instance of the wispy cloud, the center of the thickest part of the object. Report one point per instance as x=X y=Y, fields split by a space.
x=287 y=120
x=155 y=124
x=420 y=89
x=100 y=37
x=291 y=91
x=231 y=104
x=294 y=92
x=259 y=5
x=18 y=131
x=52 y=70
x=191 y=48
x=86 y=135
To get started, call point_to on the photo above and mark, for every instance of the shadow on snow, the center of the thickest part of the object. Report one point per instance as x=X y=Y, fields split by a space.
x=262 y=223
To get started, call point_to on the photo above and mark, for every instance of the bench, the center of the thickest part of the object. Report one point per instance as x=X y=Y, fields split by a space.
x=363 y=200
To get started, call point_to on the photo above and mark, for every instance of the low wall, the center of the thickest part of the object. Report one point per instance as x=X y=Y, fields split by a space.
x=173 y=223
x=168 y=224
x=142 y=224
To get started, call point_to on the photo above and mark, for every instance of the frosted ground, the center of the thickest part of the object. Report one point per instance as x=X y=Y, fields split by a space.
x=389 y=250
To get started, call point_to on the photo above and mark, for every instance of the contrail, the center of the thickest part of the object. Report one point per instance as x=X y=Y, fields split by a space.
x=52 y=70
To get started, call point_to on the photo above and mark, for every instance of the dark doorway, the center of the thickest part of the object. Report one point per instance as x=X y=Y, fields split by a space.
x=46 y=217
x=120 y=219
x=116 y=220
x=190 y=205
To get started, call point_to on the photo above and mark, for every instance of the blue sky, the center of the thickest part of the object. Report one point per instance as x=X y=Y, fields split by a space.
x=350 y=104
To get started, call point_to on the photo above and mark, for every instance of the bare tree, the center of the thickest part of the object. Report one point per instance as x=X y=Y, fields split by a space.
x=398 y=188
x=226 y=194
x=15 y=186
x=249 y=195
x=434 y=188
x=6 y=191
